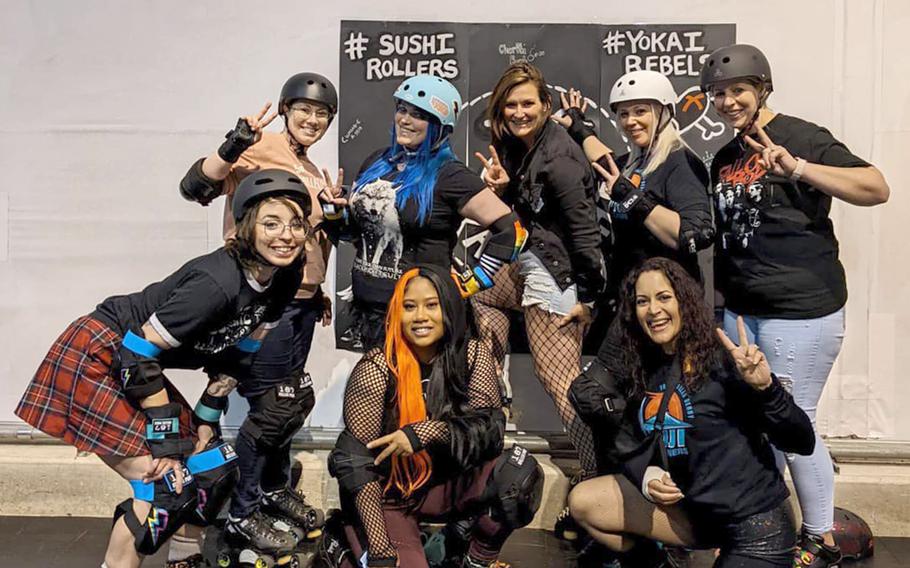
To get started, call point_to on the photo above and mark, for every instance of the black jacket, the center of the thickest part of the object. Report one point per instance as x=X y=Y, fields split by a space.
x=553 y=191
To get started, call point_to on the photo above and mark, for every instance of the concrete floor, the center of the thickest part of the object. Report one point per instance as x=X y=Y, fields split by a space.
x=79 y=542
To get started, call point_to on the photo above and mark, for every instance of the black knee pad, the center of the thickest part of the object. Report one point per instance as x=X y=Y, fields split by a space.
x=279 y=413
x=169 y=511
x=516 y=487
x=216 y=473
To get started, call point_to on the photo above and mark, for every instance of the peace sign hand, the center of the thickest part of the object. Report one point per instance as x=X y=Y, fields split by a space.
x=749 y=360
x=605 y=190
x=333 y=192
x=493 y=174
x=776 y=159
x=257 y=122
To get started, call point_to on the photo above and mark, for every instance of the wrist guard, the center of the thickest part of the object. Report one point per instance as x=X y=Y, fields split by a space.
x=162 y=433
x=581 y=127
x=628 y=202
x=236 y=142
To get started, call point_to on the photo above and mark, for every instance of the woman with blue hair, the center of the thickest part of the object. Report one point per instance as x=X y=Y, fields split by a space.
x=409 y=201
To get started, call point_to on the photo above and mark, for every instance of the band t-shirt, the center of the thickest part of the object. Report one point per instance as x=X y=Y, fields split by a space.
x=776 y=253
x=206 y=306
x=390 y=240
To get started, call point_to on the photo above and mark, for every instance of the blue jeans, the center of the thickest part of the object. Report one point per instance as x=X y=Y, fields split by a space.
x=801 y=354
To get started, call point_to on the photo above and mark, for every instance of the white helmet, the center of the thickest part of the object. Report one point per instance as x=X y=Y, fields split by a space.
x=643 y=85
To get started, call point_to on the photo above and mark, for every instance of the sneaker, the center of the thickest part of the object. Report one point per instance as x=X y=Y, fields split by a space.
x=812 y=552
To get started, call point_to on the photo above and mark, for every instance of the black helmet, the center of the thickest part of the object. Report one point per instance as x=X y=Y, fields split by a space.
x=310 y=86
x=739 y=61
x=269 y=183
x=852 y=534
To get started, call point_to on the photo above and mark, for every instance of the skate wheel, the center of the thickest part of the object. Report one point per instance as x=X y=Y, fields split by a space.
x=223 y=560
x=316 y=518
x=314 y=534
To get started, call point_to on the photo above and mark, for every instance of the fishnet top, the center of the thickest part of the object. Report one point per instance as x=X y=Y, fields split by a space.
x=365 y=416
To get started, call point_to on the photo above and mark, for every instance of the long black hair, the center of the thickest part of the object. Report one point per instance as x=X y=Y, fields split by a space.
x=697 y=346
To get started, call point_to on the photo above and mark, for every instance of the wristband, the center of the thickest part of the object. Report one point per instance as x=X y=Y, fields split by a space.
x=798 y=170
x=236 y=142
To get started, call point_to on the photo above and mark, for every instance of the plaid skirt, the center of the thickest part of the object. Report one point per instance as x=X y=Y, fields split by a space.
x=74 y=397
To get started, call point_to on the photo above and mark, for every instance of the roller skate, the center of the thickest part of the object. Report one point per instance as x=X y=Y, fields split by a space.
x=812 y=552
x=332 y=547
x=254 y=542
x=447 y=547
x=194 y=561
x=289 y=506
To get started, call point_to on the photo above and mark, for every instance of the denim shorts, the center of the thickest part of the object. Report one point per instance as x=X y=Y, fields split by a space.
x=541 y=289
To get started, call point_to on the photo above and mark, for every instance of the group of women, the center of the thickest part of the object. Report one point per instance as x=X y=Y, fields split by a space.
x=680 y=431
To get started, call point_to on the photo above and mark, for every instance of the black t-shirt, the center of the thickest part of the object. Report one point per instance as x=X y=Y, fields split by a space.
x=679 y=184
x=717 y=440
x=776 y=253
x=208 y=305
x=389 y=240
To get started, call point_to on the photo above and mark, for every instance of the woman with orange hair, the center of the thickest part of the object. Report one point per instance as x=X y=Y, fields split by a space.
x=424 y=439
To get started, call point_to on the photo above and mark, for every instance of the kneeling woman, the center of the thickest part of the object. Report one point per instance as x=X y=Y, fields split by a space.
x=424 y=434
x=101 y=387
x=710 y=479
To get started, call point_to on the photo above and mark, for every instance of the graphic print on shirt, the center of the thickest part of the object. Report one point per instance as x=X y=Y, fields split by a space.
x=380 y=230
x=738 y=192
x=677 y=420
x=243 y=324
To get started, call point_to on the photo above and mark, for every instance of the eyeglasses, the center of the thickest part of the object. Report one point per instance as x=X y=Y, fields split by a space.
x=413 y=111
x=299 y=229
x=308 y=110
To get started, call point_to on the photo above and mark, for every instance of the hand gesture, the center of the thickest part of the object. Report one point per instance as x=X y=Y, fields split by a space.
x=257 y=122
x=749 y=360
x=605 y=189
x=494 y=175
x=664 y=491
x=570 y=101
x=161 y=466
x=579 y=313
x=333 y=191
x=396 y=444
x=776 y=159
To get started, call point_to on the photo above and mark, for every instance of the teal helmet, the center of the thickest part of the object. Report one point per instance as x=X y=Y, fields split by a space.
x=434 y=95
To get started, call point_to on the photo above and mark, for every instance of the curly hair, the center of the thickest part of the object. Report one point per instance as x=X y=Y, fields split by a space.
x=697 y=345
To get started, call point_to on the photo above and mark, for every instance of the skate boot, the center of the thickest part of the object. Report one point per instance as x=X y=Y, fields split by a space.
x=253 y=542
x=332 y=547
x=194 y=561
x=446 y=547
x=471 y=563
x=289 y=506
x=812 y=552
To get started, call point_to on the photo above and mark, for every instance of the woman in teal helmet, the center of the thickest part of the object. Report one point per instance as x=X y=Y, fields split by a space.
x=409 y=200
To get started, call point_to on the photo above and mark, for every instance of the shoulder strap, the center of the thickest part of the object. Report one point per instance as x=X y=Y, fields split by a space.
x=672 y=381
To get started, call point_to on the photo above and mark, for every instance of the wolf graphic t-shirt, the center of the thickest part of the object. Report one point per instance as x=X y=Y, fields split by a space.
x=776 y=253
x=390 y=239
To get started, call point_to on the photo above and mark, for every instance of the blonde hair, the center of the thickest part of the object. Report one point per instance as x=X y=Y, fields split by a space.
x=665 y=138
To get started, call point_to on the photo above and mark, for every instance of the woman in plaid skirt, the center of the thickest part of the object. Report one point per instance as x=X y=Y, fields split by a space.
x=101 y=386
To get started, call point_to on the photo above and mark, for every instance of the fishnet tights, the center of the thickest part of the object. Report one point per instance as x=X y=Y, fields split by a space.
x=364 y=410
x=556 y=350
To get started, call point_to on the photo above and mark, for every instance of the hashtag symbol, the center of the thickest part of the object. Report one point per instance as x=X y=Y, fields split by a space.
x=355 y=46
x=614 y=42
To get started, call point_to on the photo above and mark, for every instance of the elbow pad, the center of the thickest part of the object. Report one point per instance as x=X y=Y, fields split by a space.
x=507 y=237
x=696 y=238
x=198 y=187
x=477 y=437
x=140 y=372
x=351 y=463
x=162 y=432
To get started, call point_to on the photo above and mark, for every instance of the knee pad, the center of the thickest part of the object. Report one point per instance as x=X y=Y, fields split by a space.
x=516 y=485
x=169 y=511
x=215 y=472
x=280 y=412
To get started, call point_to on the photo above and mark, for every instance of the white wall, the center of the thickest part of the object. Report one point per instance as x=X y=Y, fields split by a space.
x=104 y=104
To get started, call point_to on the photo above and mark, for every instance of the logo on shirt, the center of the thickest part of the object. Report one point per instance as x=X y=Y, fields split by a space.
x=677 y=419
x=739 y=192
x=380 y=230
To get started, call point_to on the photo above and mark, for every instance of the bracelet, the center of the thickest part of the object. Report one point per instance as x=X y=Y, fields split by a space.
x=798 y=170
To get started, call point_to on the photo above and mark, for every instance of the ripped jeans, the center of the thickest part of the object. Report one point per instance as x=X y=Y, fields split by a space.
x=801 y=354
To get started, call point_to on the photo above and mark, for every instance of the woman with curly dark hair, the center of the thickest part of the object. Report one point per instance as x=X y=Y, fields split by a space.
x=694 y=422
